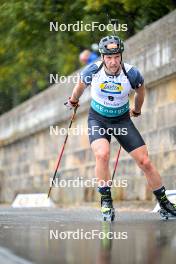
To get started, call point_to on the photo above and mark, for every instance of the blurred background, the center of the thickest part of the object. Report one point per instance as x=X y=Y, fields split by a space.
x=33 y=120
x=29 y=52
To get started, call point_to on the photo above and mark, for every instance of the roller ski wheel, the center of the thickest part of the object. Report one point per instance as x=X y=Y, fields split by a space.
x=110 y=216
x=164 y=214
x=107 y=210
x=168 y=211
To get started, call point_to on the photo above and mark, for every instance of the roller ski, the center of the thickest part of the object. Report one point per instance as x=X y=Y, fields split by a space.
x=168 y=210
x=107 y=209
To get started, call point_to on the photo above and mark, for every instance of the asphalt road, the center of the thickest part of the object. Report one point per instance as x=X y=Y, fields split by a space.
x=77 y=235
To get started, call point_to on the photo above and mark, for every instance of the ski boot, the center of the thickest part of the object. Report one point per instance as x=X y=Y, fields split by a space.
x=107 y=209
x=168 y=210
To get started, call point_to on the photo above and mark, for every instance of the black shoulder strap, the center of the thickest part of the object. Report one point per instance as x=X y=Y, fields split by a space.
x=99 y=68
x=126 y=74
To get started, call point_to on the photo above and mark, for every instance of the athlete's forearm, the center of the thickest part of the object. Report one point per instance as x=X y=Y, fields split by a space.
x=139 y=99
x=77 y=91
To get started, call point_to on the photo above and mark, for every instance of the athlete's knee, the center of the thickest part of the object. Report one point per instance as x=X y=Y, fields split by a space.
x=102 y=155
x=144 y=162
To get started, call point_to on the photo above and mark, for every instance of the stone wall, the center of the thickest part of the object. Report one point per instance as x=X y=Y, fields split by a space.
x=28 y=151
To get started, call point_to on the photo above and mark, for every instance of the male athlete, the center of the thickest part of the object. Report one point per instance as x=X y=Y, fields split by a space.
x=111 y=82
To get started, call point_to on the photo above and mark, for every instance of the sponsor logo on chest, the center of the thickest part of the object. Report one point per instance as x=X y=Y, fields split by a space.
x=111 y=87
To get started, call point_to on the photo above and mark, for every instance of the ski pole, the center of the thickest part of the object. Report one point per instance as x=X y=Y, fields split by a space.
x=112 y=21
x=117 y=159
x=116 y=163
x=62 y=150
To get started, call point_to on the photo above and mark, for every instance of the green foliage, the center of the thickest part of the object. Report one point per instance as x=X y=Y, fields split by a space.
x=29 y=52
